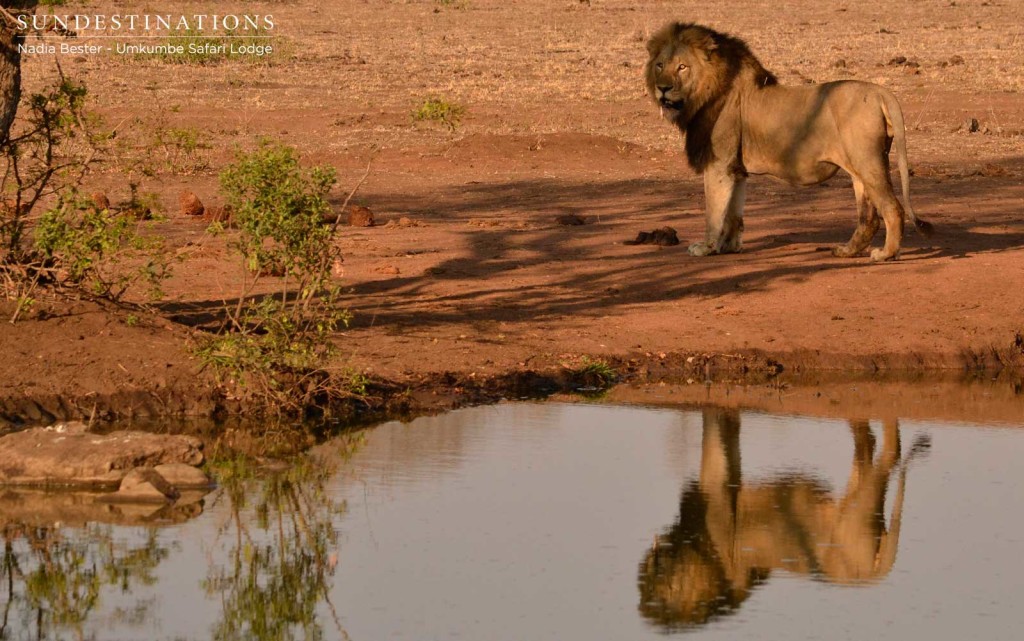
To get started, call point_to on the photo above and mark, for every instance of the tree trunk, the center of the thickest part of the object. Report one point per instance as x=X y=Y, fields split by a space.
x=10 y=63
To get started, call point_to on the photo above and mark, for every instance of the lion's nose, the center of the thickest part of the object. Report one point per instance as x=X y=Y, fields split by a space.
x=664 y=89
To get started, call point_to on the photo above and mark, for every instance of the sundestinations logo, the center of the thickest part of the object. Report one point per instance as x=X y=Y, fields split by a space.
x=144 y=33
x=145 y=22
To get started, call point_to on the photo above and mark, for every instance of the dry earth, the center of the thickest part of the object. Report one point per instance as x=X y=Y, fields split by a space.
x=482 y=280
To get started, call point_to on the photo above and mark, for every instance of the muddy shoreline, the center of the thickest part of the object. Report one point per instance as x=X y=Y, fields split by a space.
x=697 y=376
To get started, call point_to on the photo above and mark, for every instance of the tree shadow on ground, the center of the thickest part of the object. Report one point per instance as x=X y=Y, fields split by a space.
x=592 y=274
x=593 y=281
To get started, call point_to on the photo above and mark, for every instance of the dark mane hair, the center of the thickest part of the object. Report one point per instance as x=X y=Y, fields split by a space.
x=733 y=51
x=732 y=57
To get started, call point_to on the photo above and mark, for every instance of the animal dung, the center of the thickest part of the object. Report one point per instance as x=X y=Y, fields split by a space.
x=571 y=220
x=664 y=236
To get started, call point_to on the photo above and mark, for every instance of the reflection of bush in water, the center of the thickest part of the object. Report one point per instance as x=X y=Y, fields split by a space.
x=54 y=576
x=682 y=578
x=280 y=555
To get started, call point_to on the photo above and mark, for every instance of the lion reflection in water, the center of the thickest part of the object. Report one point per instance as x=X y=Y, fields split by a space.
x=730 y=536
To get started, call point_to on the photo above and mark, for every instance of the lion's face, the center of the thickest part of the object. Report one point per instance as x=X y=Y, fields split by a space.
x=681 y=70
x=670 y=76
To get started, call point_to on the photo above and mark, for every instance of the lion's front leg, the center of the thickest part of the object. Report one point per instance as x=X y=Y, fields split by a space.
x=725 y=193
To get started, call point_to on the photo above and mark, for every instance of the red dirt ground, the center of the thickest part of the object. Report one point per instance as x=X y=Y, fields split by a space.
x=485 y=281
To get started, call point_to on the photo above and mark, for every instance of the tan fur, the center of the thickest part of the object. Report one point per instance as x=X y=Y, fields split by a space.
x=731 y=534
x=739 y=121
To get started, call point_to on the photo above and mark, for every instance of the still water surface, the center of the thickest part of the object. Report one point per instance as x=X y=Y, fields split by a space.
x=564 y=521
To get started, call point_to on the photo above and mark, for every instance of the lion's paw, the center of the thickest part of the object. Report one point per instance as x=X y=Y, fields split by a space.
x=879 y=255
x=731 y=246
x=700 y=249
x=842 y=251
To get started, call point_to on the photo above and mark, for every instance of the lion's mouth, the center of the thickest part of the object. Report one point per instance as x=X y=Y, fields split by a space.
x=668 y=103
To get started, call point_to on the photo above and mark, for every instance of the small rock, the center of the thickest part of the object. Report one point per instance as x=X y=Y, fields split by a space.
x=571 y=220
x=68 y=427
x=145 y=484
x=972 y=125
x=190 y=204
x=839 y=64
x=359 y=216
x=100 y=201
x=898 y=60
x=665 y=236
x=181 y=476
x=956 y=60
x=390 y=270
x=401 y=222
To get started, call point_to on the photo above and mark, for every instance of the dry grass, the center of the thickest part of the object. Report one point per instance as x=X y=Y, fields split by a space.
x=545 y=66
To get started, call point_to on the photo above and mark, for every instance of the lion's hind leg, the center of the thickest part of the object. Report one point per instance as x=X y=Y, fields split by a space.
x=867 y=224
x=892 y=214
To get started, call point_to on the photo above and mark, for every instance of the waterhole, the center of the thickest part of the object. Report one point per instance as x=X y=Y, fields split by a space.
x=556 y=521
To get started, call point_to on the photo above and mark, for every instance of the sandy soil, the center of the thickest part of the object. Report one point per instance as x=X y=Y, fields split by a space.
x=484 y=281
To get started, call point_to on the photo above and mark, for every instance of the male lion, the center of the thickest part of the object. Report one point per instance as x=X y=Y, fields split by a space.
x=739 y=120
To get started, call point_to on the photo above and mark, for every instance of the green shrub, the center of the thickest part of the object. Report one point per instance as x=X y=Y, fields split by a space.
x=279 y=210
x=275 y=347
x=52 y=145
x=439 y=110
x=98 y=250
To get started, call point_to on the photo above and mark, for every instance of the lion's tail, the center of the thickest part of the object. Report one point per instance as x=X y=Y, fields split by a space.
x=894 y=115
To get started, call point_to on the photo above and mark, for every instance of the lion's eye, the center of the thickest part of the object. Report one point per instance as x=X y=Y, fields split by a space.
x=682 y=67
x=659 y=66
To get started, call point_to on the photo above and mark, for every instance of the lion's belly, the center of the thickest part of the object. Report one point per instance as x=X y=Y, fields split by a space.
x=797 y=144
x=803 y=174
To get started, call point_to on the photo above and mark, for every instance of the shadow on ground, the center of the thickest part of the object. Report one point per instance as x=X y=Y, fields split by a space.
x=587 y=271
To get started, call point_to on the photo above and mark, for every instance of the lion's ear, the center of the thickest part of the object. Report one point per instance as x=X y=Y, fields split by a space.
x=708 y=46
x=654 y=46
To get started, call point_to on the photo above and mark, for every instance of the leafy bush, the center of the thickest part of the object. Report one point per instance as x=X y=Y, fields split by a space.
x=97 y=249
x=275 y=346
x=42 y=156
x=279 y=209
x=51 y=148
